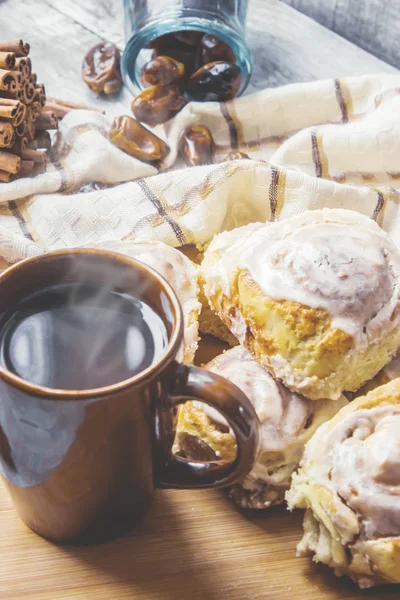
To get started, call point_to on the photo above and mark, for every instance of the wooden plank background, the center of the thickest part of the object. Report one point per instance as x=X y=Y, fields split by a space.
x=371 y=24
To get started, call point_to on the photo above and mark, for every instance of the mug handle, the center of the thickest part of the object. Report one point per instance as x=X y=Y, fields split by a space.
x=194 y=383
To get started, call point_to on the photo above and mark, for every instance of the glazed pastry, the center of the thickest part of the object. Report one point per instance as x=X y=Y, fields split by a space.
x=180 y=273
x=315 y=298
x=349 y=484
x=287 y=419
x=211 y=324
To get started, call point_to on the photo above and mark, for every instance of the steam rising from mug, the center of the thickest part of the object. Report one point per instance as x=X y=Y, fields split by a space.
x=80 y=335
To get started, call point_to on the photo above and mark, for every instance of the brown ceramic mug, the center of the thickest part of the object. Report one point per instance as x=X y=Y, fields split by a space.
x=81 y=465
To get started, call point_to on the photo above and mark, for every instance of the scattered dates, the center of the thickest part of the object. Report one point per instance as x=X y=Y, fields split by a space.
x=134 y=139
x=101 y=69
x=216 y=81
x=157 y=104
x=197 y=146
x=186 y=65
x=162 y=70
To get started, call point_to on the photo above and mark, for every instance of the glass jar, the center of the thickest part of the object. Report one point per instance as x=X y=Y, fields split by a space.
x=146 y=20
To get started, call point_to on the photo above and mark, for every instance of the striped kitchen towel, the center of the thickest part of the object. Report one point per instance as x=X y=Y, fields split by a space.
x=333 y=143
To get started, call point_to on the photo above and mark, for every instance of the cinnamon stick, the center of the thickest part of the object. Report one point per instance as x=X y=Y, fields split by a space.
x=24 y=66
x=6 y=135
x=42 y=93
x=42 y=140
x=30 y=130
x=36 y=109
x=30 y=115
x=7 y=60
x=19 y=146
x=5 y=177
x=19 y=79
x=33 y=79
x=20 y=130
x=69 y=104
x=39 y=96
x=26 y=167
x=12 y=111
x=18 y=47
x=61 y=108
x=8 y=82
x=20 y=64
x=32 y=144
x=28 y=67
x=47 y=120
x=9 y=162
x=15 y=95
x=37 y=157
x=39 y=168
x=57 y=109
x=24 y=98
x=29 y=92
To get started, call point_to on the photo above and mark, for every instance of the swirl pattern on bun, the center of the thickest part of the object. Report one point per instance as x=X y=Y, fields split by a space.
x=287 y=420
x=315 y=298
x=349 y=482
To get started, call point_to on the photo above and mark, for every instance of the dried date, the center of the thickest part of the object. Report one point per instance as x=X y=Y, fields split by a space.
x=216 y=81
x=197 y=146
x=212 y=49
x=101 y=69
x=163 y=70
x=157 y=104
x=134 y=139
x=169 y=45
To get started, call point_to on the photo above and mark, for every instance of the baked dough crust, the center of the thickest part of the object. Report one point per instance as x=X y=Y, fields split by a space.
x=349 y=484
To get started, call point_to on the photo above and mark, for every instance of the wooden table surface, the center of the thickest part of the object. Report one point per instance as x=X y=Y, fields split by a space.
x=192 y=545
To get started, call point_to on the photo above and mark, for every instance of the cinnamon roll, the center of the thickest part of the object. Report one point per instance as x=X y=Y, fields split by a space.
x=315 y=298
x=349 y=484
x=287 y=420
x=211 y=324
x=180 y=272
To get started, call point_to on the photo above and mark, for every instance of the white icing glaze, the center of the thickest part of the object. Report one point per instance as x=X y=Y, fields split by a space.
x=333 y=259
x=283 y=415
x=177 y=269
x=359 y=459
x=222 y=244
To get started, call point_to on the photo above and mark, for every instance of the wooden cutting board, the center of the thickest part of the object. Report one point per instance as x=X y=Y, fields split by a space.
x=193 y=545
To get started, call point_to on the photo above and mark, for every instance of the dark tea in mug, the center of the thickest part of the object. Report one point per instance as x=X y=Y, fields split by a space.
x=90 y=380
x=79 y=336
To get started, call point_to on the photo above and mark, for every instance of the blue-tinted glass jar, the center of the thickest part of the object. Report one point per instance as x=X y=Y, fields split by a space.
x=146 y=20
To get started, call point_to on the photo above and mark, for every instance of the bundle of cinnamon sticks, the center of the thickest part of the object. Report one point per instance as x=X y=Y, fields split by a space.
x=24 y=121
x=26 y=117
